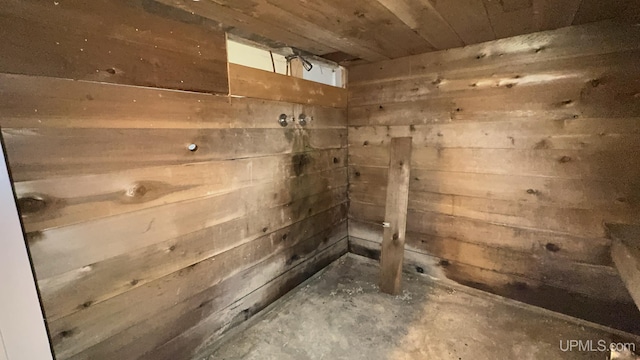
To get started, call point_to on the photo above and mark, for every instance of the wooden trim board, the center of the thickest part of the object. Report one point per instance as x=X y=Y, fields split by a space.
x=260 y=84
x=395 y=225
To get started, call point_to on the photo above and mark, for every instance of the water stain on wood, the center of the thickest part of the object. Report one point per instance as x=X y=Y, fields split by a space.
x=32 y=204
x=299 y=162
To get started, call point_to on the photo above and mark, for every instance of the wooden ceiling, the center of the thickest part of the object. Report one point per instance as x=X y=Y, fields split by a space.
x=372 y=30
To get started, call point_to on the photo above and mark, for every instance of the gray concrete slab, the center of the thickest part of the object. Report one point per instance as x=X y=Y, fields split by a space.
x=341 y=314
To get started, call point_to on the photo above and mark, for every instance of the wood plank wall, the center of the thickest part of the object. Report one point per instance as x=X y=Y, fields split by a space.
x=113 y=41
x=523 y=147
x=142 y=248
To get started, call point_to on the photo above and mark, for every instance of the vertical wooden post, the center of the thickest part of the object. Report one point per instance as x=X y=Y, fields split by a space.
x=395 y=215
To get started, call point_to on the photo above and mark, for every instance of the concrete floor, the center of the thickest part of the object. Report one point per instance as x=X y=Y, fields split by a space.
x=340 y=314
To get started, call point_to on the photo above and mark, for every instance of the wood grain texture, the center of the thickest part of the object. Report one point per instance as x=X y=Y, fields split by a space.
x=245 y=25
x=614 y=134
x=42 y=102
x=125 y=222
x=254 y=83
x=622 y=315
x=365 y=22
x=549 y=14
x=63 y=152
x=548 y=217
x=511 y=17
x=166 y=292
x=260 y=285
x=468 y=18
x=126 y=45
x=567 y=43
x=522 y=149
x=421 y=16
x=513 y=83
x=276 y=17
x=608 y=198
x=574 y=277
x=61 y=295
x=202 y=334
x=565 y=164
x=395 y=215
x=63 y=201
x=370 y=31
x=589 y=250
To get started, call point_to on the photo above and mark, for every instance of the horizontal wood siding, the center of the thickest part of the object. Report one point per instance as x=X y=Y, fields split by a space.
x=254 y=83
x=146 y=249
x=115 y=41
x=522 y=149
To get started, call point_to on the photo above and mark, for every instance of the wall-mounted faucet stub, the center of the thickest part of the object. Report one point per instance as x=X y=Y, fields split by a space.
x=302 y=120
x=282 y=120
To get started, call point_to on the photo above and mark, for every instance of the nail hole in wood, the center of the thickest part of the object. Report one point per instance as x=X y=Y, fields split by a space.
x=552 y=247
x=565 y=159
